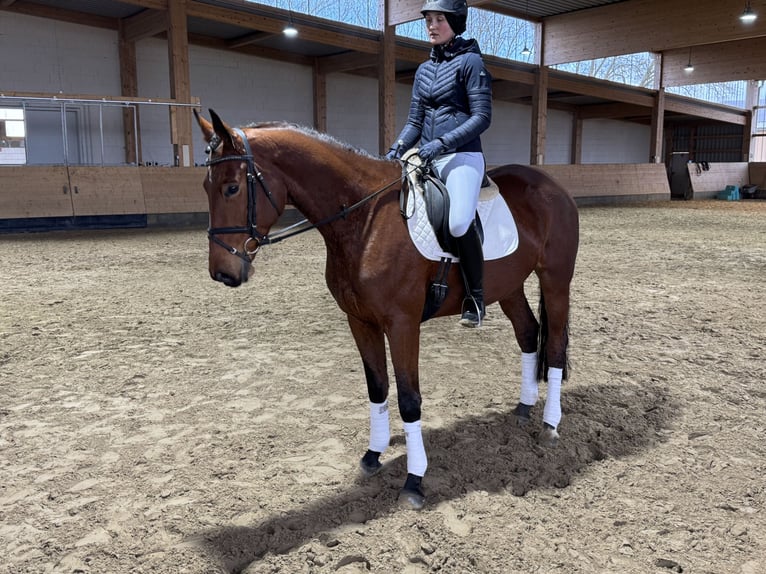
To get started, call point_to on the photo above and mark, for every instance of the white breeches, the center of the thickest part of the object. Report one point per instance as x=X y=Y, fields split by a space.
x=462 y=174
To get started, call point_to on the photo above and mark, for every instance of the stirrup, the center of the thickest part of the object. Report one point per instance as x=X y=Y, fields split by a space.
x=471 y=316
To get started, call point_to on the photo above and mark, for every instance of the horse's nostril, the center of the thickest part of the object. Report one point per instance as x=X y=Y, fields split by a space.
x=226 y=279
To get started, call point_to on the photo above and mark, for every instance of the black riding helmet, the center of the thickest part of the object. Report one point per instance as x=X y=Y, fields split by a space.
x=455 y=11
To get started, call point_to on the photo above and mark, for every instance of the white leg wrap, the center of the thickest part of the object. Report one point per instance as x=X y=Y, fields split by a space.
x=380 y=432
x=552 y=412
x=416 y=452
x=529 y=392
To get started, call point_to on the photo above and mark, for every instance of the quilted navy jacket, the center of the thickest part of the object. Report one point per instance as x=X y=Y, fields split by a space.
x=451 y=99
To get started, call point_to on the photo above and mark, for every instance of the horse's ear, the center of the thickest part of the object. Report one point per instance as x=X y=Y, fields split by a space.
x=205 y=126
x=221 y=129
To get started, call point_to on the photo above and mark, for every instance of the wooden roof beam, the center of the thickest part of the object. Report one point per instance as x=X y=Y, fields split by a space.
x=724 y=62
x=633 y=27
x=145 y=24
x=30 y=9
x=401 y=11
x=562 y=81
x=689 y=107
x=612 y=111
x=252 y=38
x=346 y=62
x=251 y=50
x=274 y=22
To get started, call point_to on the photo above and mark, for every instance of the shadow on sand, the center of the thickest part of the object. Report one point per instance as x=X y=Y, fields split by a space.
x=488 y=453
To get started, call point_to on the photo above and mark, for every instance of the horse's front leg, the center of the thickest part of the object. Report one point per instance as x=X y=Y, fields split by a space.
x=371 y=344
x=404 y=343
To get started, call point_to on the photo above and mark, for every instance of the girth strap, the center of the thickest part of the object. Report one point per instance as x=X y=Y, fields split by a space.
x=438 y=290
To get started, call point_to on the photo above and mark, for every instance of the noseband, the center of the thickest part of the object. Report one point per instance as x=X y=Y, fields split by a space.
x=254 y=178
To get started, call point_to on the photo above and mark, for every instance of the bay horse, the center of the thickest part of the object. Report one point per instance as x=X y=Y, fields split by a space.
x=374 y=271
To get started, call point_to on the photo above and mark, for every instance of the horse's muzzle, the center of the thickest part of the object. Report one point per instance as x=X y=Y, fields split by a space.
x=226 y=279
x=231 y=280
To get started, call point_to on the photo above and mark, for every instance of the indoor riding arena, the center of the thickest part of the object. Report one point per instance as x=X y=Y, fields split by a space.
x=155 y=420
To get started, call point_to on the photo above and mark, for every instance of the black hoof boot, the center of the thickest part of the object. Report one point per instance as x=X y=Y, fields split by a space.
x=549 y=437
x=370 y=463
x=522 y=413
x=411 y=496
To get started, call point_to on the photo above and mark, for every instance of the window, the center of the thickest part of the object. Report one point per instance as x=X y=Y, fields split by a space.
x=13 y=137
x=498 y=34
x=631 y=69
x=727 y=93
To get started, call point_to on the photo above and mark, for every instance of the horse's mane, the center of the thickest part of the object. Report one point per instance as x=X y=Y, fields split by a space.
x=311 y=132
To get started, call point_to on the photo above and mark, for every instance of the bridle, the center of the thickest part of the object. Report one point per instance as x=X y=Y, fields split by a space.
x=255 y=178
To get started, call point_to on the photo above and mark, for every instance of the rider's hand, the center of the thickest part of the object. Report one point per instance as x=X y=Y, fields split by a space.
x=396 y=151
x=431 y=150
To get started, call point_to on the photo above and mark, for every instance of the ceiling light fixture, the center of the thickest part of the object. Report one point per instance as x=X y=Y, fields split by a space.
x=748 y=15
x=689 y=67
x=526 y=51
x=290 y=30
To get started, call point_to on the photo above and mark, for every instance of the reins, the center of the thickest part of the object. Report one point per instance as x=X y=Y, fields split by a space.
x=254 y=177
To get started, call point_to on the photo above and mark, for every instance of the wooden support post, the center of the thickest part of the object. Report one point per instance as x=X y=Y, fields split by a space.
x=658 y=128
x=576 y=155
x=129 y=88
x=751 y=101
x=180 y=88
x=320 y=98
x=539 y=117
x=747 y=136
x=387 y=85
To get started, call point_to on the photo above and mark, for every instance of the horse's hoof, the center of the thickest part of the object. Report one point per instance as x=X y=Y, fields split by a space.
x=411 y=496
x=522 y=413
x=549 y=438
x=370 y=464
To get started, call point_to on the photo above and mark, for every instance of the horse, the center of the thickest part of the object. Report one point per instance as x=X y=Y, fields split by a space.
x=373 y=270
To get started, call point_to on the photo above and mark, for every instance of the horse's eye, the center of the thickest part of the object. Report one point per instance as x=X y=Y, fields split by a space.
x=231 y=190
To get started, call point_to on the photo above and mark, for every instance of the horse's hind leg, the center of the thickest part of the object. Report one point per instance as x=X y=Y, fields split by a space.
x=371 y=344
x=526 y=328
x=404 y=343
x=553 y=350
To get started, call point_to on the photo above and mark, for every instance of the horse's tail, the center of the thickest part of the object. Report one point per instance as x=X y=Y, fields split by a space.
x=542 y=343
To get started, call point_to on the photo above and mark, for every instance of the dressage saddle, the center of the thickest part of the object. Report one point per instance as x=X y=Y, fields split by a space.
x=436 y=198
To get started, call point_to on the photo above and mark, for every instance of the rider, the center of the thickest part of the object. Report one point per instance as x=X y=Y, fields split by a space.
x=451 y=106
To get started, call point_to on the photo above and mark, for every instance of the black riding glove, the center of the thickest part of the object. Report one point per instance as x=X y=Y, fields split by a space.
x=396 y=150
x=431 y=150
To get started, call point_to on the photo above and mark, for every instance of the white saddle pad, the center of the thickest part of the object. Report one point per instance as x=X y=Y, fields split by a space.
x=501 y=238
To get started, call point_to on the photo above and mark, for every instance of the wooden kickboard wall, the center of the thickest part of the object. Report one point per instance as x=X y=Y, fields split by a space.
x=758 y=174
x=612 y=180
x=106 y=190
x=35 y=192
x=707 y=183
x=55 y=191
x=58 y=191
x=174 y=190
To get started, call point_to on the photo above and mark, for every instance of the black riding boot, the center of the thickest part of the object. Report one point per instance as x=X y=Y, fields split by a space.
x=472 y=266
